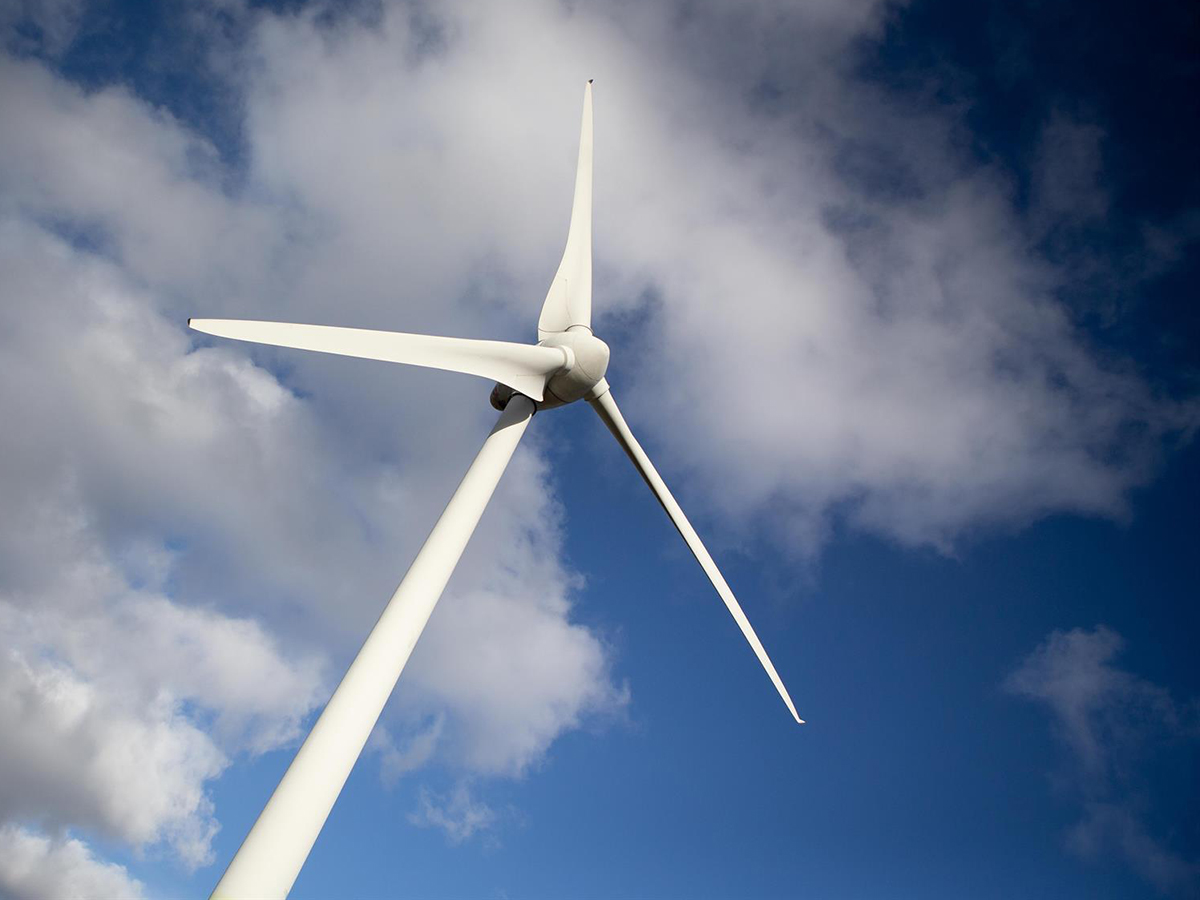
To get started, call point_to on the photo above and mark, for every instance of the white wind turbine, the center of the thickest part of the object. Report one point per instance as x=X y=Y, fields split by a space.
x=567 y=364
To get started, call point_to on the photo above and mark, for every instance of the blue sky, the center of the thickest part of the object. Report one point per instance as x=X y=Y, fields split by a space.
x=900 y=298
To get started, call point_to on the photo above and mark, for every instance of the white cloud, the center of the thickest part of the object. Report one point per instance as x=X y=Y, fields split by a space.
x=118 y=702
x=183 y=529
x=119 y=705
x=898 y=359
x=501 y=653
x=838 y=315
x=75 y=754
x=219 y=451
x=1112 y=721
x=529 y=677
x=848 y=316
x=35 y=867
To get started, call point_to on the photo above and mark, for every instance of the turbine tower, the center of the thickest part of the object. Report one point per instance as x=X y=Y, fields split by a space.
x=567 y=364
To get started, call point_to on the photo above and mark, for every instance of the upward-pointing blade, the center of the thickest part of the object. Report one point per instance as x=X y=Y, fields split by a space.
x=606 y=407
x=569 y=300
x=522 y=367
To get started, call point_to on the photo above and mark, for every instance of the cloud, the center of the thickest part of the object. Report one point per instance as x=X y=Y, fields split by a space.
x=77 y=755
x=417 y=750
x=1112 y=722
x=1068 y=172
x=923 y=381
x=184 y=528
x=47 y=26
x=862 y=303
x=120 y=704
x=831 y=313
x=456 y=813
x=34 y=867
x=532 y=677
x=97 y=539
x=1107 y=827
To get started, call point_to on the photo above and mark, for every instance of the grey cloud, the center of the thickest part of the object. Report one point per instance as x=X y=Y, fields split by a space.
x=1116 y=826
x=42 y=26
x=1068 y=172
x=36 y=867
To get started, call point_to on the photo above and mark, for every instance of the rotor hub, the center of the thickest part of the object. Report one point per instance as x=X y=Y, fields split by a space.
x=586 y=361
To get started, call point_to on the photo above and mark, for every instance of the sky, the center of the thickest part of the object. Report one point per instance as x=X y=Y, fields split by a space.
x=901 y=301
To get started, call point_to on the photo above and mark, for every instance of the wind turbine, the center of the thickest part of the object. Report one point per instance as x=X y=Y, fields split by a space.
x=567 y=364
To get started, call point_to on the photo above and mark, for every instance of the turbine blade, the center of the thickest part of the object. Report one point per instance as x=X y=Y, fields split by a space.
x=569 y=300
x=606 y=407
x=523 y=367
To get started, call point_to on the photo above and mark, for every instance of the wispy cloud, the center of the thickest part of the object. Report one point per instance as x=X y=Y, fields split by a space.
x=1112 y=723
x=414 y=752
x=457 y=813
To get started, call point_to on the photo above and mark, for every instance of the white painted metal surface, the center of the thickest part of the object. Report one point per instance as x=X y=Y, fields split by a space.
x=270 y=858
x=522 y=367
x=569 y=300
x=602 y=401
x=588 y=357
